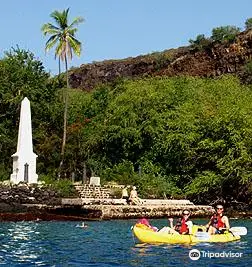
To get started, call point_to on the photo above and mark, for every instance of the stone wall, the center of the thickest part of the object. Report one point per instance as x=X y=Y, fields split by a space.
x=92 y=191
x=13 y=197
x=147 y=211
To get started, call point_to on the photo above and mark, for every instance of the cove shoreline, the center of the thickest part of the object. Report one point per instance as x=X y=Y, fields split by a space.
x=42 y=203
x=41 y=212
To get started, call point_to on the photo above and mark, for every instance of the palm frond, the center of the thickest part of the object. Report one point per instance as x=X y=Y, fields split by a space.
x=76 y=21
x=48 y=28
x=61 y=18
x=51 y=42
x=75 y=45
x=56 y=15
x=72 y=31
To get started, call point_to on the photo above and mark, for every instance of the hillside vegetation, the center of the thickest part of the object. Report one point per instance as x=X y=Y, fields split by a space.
x=172 y=136
x=167 y=131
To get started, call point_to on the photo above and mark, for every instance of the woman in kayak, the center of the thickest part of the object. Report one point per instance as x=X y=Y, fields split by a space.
x=218 y=222
x=183 y=225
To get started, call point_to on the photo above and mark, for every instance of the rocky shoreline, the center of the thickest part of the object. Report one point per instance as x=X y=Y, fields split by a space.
x=25 y=203
x=101 y=212
x=38 y=212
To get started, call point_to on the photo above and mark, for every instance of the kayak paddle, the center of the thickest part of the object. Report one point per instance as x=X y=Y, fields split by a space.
x=236 y=230
x=203 y=236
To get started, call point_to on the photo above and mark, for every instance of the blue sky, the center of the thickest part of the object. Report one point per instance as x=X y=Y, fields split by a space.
x=116 y=29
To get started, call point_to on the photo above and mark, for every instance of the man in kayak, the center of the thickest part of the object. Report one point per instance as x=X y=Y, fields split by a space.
x=218 y=223
x=183 y=225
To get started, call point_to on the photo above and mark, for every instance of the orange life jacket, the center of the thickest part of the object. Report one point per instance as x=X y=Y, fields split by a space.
x=217 y=222
x=183 y=227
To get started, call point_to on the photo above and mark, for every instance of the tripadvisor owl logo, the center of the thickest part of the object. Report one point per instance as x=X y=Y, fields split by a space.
x=194 y=254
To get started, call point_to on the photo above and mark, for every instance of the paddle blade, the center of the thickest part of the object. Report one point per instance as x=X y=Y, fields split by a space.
x=238 y=230
x=202 y=236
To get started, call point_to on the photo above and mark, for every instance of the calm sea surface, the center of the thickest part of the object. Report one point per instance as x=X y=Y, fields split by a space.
x=107 y=243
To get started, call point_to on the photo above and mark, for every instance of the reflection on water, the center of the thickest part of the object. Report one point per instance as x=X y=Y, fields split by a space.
x=104 y=243
x=18 y=242
x=142 y=249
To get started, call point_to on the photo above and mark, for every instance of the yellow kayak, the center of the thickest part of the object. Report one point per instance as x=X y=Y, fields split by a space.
x=147 y=235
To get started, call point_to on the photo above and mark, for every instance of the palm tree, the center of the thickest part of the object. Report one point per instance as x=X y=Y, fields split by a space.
x=62 y=35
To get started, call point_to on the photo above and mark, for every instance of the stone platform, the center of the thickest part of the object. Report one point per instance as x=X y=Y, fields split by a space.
x=118 y=208
x=120 y=201
x=23 y=202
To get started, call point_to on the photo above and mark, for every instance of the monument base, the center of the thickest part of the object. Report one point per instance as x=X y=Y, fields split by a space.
x=95 y=181
x=14 y=179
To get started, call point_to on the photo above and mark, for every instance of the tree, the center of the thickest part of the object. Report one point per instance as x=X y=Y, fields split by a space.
x=225 y=33
x=22 y=75
x=63 y=37
x=248 y=24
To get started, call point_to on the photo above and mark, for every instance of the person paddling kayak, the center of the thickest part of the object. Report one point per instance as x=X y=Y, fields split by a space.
x=183 y=226
x=218 y=222
x=147 y=223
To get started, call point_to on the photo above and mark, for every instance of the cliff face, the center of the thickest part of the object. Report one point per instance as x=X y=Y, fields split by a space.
x=217 y=59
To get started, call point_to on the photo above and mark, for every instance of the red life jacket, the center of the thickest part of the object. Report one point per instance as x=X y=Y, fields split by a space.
x=217 y=222
x=184 y=227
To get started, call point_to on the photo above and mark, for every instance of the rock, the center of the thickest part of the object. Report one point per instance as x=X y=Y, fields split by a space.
x=21 y=194
x=218 y=59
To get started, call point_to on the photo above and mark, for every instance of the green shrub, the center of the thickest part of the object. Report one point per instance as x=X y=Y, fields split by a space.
x=63 y=187
x=116 y=192
x=121 y=173
x=248 y=24
x=225 y=34
x=200 y=43
x=47 y=179
x=151 y=186
x=247 y=73
x=4 y=174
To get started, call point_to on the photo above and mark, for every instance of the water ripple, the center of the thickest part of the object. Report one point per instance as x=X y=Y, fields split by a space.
x=104 y=243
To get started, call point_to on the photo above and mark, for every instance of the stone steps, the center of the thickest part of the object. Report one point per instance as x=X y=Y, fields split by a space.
x=93 y=191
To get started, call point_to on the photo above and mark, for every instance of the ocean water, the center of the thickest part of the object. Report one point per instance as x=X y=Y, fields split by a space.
x=108 y=243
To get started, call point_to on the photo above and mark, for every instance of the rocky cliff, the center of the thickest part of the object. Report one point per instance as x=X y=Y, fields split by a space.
x=213 y=61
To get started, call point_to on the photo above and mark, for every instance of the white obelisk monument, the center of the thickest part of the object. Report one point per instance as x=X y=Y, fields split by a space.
x=24 y=160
